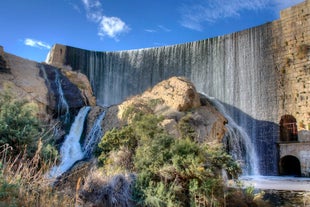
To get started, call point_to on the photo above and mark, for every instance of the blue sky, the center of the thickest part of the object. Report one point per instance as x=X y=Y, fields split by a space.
x=29 y=28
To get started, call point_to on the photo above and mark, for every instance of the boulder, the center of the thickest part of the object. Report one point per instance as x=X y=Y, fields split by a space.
x=176 y=92
x=177 y=100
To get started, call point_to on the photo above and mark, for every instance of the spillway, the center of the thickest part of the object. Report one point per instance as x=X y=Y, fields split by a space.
x=237 y=69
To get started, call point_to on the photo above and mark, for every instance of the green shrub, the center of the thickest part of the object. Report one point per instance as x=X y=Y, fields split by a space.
x=186 y=128
x=8 y=191
x=21 y=129
x=170 y=172
x=19 y=125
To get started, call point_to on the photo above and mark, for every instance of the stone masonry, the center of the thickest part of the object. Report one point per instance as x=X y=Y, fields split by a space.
x=291 y=44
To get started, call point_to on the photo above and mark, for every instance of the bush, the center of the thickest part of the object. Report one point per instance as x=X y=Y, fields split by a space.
x=19 y=125
x=170 y=172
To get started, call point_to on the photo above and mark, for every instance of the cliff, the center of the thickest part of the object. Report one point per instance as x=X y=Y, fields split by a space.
x=44 y=85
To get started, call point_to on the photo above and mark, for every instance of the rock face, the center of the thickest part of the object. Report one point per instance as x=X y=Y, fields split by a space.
x=37 y=83
x=3 y=66
x=25 y=82
x=81 y=81
x=177 y=100
x=177 y=93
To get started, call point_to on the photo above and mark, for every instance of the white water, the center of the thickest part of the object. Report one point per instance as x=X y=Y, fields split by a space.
x=93 y=136
x=239 y=143
x=71 y=150
x=63 y=107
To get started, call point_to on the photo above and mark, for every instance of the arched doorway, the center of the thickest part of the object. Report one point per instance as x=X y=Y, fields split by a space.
x=290 y=165
x=288 y=129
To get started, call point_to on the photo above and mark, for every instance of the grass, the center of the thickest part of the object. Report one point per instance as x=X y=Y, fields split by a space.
x=23 y=182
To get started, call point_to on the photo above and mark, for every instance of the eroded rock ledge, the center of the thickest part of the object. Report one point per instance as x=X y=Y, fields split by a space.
x=175 y=99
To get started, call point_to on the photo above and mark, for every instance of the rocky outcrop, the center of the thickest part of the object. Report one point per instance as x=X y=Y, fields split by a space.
x=3 y=67
x=25 y=82
x=177 y=93
x=82 y=82
x=183 y=111
x=37 y=82
x=177 y=100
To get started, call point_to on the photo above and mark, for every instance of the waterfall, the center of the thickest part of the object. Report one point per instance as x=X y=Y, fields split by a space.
x=71 y=150
x=238 y=143
x=54 y=82
x=237 y=69
x=93 y=137
x=63 y=107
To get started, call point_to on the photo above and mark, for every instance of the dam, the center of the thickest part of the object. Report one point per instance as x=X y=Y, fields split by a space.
x=261 y=76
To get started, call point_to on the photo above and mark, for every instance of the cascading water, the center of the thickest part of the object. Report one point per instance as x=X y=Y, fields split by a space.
x=238 y=143
x=54 y=82
x=63 y=107
x=93 y=136
x=71 y=150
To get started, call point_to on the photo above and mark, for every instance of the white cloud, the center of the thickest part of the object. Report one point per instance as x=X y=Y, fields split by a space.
x=107 y=26
x=36 y=43
x=194 y=15
x=112 y=27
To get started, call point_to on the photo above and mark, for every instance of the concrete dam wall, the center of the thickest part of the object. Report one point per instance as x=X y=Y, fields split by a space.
x=258 y=74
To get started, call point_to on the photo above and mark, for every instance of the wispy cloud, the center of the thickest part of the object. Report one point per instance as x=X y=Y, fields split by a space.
x=93 y=10
x=150 y=30
x=36 y=43
x=194 y=15
x=107 y=26
x=164 y=28
x=159 y=28
x=76 y=7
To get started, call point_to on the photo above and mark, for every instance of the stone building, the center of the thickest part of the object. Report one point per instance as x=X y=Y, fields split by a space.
x=294 y=148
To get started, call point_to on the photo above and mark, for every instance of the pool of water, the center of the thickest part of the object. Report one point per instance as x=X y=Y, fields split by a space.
x=275 y=182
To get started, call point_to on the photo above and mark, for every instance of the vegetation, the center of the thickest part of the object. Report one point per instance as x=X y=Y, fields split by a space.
x=143 y=165
x=18 y=124
x=26 y=154
x=20 y=128
x=169 y=171
x=23 y=182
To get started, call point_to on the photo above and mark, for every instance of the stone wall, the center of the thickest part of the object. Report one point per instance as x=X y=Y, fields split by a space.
x=291 y=45
x=56 y=56
x=300 y=150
